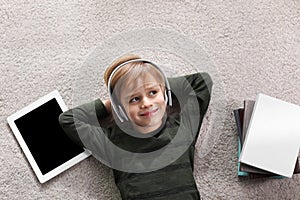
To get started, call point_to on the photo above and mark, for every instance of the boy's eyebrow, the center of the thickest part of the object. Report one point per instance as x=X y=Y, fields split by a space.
x=151 y=86
x=130 y=95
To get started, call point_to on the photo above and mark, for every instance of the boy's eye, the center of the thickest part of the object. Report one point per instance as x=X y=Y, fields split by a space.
x=133 y=100
x=153 y=92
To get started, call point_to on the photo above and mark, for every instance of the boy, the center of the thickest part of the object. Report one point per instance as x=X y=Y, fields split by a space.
x=147 y=130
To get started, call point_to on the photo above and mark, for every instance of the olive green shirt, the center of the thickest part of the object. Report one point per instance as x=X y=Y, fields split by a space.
x=89 y=126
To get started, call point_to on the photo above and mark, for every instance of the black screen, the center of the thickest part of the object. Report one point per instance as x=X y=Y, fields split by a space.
x=46 y=140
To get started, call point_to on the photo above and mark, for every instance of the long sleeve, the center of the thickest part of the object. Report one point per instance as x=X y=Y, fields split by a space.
x=82 y=125
x=202 y=86
x=193 y=93
x=198 y=84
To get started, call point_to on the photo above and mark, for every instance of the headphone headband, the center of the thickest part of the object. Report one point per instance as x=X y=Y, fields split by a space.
x=119 y=111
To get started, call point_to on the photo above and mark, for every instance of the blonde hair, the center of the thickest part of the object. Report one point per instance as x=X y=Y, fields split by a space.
x=130 y=71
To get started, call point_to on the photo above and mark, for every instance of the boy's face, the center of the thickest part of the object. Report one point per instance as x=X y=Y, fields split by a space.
x=144 y=103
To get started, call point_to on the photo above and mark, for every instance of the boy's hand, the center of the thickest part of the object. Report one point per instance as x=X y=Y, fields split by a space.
x=107 y=105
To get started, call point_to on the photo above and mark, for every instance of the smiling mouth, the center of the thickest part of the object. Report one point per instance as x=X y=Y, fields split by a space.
x=150 y=113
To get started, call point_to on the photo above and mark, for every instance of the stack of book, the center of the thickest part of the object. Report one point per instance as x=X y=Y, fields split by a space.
x=258 y=134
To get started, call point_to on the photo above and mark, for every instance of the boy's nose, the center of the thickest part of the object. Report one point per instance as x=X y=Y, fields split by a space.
x=146 y=102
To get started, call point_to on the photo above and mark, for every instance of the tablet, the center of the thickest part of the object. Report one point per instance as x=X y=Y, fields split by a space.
x=47 y=148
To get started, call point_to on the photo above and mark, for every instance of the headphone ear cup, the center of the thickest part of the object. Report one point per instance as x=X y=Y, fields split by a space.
x=122 y=113
x=166 y=97
x=169 y=97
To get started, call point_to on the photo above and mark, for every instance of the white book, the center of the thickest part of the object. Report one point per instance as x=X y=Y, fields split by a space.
x=273 y=136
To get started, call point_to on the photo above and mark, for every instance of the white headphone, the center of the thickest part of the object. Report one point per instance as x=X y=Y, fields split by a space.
x=118 y=108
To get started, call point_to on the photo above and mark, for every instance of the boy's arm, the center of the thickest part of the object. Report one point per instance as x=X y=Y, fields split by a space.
x=197 y=85
x=202 y=86
x=82 y=123
x=193 y=93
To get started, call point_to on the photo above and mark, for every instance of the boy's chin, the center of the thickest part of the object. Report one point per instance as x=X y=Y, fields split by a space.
x=148 y=128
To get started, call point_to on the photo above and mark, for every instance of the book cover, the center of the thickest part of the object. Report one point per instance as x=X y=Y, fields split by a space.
x=273 y=130
x=244 y=169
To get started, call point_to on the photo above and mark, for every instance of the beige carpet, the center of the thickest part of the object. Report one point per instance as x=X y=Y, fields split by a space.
x=254 y=47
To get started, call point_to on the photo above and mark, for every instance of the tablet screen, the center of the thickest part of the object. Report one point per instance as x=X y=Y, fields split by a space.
x=46 y=140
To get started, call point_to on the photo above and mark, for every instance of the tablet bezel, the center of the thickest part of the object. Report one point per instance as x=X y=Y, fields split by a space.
x=11 y=121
